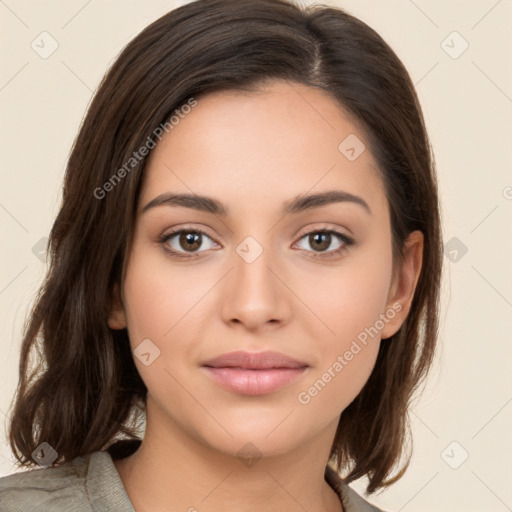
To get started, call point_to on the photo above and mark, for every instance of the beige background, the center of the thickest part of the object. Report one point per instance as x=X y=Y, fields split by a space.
x=467 y=103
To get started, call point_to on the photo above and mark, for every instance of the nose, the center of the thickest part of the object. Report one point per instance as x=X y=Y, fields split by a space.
x=254 y=294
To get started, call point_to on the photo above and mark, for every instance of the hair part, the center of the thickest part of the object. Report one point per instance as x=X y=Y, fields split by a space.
x=85 y=385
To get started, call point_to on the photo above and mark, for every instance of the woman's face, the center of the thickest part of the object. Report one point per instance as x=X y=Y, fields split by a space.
x=257 y=276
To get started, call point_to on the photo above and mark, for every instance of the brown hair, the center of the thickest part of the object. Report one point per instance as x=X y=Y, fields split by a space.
x=84 y=386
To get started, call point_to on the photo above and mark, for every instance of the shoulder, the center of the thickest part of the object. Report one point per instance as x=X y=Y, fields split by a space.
x=352 y=501
x=71 y=487
x=50 y=488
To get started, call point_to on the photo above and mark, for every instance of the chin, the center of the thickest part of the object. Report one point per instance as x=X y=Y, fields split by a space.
x=271 y=435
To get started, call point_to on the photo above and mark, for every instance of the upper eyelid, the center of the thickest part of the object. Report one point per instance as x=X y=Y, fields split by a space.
x=177 y=231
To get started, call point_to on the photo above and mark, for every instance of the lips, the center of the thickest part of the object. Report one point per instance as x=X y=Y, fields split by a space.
x=250 y=373
x=254 y=361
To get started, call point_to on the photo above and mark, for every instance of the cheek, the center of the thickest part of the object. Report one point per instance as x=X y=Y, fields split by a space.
x=348 y=304
x=346 y=300
x=163 y=305
x=168 y=304
x=160 y=297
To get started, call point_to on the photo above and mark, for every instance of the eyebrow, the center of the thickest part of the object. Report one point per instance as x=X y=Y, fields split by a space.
x=296 y=205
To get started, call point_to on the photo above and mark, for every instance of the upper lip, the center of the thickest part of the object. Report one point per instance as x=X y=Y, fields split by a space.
x=254 y=361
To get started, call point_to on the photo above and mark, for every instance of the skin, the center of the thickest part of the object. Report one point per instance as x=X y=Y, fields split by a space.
x=253 y=152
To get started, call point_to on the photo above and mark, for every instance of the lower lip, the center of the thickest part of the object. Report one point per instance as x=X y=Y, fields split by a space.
x=254 y=382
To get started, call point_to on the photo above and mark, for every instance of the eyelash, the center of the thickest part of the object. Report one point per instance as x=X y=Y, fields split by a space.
x=347 y=242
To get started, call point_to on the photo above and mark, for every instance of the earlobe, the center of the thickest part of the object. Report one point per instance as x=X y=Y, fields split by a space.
x=117 y=316
x=404 y=283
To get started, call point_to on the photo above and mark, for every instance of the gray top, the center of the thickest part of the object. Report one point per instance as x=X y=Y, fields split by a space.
x=92 y=484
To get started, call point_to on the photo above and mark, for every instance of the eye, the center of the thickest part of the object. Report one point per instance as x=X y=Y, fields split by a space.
x=185 y=242
x=321 y=240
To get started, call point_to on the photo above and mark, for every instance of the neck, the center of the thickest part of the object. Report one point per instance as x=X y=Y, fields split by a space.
x=173 y=470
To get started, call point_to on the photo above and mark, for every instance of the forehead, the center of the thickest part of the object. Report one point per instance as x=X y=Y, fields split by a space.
x=283 y=140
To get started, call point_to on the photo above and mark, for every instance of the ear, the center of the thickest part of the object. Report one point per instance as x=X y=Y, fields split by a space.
x=117 y=316
x=404 y=284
